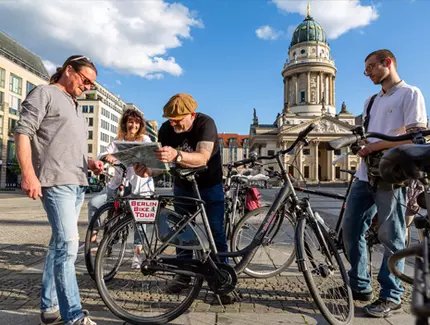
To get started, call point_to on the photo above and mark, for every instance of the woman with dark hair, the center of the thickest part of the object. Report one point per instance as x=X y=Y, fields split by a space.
x=131 y=128
x=55 y=169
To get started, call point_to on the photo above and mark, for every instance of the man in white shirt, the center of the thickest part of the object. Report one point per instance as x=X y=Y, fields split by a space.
x=397 y=109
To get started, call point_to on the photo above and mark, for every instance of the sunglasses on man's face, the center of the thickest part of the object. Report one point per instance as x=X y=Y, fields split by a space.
x=86 y=81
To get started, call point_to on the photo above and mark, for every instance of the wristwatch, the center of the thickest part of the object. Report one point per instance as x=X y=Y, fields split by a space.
x=178 y=157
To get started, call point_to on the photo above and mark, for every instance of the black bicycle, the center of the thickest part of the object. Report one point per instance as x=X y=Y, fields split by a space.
x=153 y=303
x=103 y=220
x=397 y=165
x=235 y=189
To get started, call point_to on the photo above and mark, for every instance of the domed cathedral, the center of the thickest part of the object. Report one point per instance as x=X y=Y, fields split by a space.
x=309 y=76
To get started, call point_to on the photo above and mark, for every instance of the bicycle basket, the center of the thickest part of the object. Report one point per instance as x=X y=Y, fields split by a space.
x=168 y=222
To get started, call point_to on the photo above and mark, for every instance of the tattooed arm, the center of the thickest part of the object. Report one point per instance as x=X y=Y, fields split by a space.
x=198 y=158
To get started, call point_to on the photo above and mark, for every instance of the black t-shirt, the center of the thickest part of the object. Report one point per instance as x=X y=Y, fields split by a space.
x=203 y=129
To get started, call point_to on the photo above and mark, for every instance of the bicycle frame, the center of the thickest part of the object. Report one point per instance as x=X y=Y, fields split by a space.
x=338 y=227
x=286 y=192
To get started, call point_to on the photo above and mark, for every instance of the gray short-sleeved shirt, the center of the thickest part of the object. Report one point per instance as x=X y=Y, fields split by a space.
x=58 y=133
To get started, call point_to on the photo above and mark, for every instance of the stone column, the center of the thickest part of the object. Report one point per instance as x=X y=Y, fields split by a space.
x=308 y=87
x=296 y=90
x=326 y=90
x=330 y=167
x=285 y=90
x=300 y=166
x=316 y=144
x=330 y=79
x=333 y=91
x=319 y=77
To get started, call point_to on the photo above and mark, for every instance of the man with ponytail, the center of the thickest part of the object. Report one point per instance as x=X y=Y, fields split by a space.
x=51 y=147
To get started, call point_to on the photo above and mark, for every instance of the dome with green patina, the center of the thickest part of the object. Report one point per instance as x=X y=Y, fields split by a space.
x=308 y=31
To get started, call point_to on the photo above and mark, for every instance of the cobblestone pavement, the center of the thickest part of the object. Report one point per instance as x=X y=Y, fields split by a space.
x=24 y=234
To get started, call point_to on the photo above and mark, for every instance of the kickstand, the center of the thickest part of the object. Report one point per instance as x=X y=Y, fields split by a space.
x=219 y=301
x=237 y=296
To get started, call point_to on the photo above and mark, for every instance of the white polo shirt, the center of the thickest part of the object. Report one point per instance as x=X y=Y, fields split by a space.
x=392 y=113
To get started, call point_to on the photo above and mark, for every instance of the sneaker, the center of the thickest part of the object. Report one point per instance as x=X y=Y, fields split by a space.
x=85 y=321
x=179 y=283
x=136 y=261
x=341 y=291
x=54 y=318
x=381 y=308
x=362 y=296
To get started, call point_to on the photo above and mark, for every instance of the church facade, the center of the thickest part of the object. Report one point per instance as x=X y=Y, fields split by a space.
x=309 y=97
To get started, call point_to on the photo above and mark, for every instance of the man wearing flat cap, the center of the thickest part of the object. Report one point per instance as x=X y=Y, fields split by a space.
x=189 y=139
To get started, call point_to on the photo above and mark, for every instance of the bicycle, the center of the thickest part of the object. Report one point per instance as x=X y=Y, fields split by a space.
x=317 y=257
x=276 y=253
x=417 y=167
x=104 y=219
x=336 y=233
x=372 y=233
x=408 y=161
x=235 y=187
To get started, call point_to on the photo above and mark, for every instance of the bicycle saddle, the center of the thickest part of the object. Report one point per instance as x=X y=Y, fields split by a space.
x=184 y=172
x=404 y=162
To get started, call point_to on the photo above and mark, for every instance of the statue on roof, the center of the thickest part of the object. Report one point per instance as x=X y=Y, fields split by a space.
x=323 y=109
x=255 y=118
x=287 y=109
x=343 y=109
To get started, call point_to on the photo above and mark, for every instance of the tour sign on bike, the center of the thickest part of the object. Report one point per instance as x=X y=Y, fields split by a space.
x=152 y=303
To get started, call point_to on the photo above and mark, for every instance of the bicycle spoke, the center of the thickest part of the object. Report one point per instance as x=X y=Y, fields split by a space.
x=324 y=273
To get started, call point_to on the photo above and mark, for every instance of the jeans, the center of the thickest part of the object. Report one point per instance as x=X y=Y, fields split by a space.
x=214 y=199
x=59 y=284
x=390 y=205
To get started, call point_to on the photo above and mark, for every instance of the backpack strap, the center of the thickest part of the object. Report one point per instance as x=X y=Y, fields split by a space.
x=367 y=117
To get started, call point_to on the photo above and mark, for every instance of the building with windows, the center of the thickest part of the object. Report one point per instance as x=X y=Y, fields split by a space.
x=20 y=71
x=152 y=129
x=102 y=110
x=309 y=75
x=233 y=147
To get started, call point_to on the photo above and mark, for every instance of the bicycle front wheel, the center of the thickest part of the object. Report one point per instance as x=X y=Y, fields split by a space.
x=324 y=272
x=277 y=251
x=103 y=220
x=142 y=296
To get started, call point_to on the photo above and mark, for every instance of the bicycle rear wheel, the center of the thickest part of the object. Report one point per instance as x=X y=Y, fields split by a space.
x=103 y=220
x=139 y=296
x=393 y=260
x=324 y=272
x=276 y=253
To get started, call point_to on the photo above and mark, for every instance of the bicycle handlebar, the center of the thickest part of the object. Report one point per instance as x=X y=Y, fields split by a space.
x=254 y=157
x=300 y=138
x=353 y=138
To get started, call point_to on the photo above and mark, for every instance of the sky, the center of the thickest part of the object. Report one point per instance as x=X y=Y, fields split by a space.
x=228 y=54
